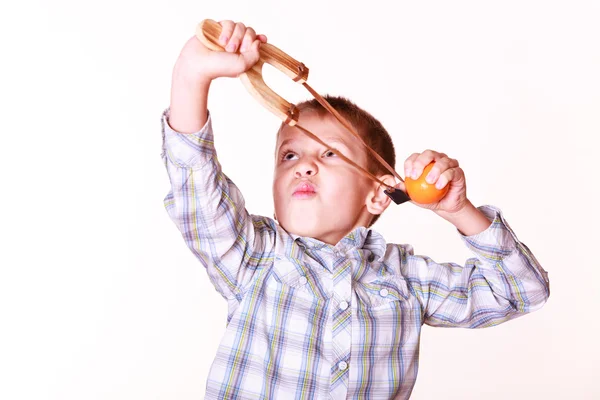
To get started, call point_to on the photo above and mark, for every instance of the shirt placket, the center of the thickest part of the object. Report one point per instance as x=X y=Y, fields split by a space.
x=341 y=328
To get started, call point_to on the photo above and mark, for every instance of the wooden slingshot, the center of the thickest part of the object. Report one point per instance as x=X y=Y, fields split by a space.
x=209 y=31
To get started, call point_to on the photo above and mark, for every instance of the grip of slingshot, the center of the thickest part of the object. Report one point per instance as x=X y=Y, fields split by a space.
x=208 y=32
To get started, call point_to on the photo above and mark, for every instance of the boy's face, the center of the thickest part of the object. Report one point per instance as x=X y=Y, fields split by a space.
x=316 y=193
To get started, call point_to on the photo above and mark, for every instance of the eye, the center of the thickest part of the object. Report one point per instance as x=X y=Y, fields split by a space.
x=329 y=153
x=287 y=155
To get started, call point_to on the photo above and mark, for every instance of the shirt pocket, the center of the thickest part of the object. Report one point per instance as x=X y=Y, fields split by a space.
x=382 y=293
x=293 y=276
x=294 y=303
x=385 y=304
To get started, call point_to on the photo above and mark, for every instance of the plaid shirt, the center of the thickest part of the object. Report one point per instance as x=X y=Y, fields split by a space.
x=308 y=320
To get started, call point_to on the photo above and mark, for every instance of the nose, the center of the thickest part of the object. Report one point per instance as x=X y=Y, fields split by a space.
x=305 y=168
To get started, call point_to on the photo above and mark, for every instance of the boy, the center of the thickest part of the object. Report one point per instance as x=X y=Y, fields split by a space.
x=320 y=306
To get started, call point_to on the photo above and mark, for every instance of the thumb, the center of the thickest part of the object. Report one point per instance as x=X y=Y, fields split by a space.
x=252 y=55
x=401 y=185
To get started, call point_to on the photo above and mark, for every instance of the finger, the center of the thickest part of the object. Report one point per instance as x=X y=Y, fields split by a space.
x=439 y=167
x=252 y=55
x=262 y=38
x=448 y=176
x=243 y=61
x=422 y=161
x=408 y=164
x=236 y=37
x=388 y=181
x=400 y=185
x=226 y=32
x=249 y=37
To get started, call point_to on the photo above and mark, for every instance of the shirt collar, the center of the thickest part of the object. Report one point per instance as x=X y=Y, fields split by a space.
x=360 y=238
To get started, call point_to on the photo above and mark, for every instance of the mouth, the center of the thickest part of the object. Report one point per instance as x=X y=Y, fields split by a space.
x=304 y=190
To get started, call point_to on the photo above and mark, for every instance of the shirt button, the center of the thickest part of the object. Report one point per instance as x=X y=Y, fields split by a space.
x=383 y=292
x=342 y=365
x=343 y=305
x=303 y=280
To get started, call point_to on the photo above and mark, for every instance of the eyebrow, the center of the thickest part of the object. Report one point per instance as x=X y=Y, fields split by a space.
x=328 y=139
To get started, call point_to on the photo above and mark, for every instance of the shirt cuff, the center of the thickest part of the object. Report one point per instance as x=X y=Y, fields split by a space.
x=187 y=149
x=496 y=242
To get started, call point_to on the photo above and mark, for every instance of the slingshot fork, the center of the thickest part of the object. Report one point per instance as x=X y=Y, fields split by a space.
x=209 y=31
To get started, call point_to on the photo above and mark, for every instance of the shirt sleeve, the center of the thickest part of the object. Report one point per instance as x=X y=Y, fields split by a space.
x=209 y=211
x=501 y=282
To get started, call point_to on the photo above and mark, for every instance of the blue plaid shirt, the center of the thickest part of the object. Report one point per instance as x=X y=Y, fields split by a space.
x=308 y=320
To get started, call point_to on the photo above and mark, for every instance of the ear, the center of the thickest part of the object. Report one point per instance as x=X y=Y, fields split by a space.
x=377 y=201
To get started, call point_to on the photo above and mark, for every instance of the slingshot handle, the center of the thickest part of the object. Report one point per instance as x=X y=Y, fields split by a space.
x=209 y=31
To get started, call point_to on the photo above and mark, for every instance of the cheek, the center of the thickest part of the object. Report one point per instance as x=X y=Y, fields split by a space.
x=279 y=177
x=278 y=191
x=280 y=172
x=343 y=179
x=350 y=188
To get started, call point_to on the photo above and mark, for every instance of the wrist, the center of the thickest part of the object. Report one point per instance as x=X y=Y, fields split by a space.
x=469 y=220
x=465 y=210
x=184 y=77
x=189 y=102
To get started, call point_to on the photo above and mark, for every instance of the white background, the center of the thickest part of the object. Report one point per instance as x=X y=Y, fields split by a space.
x=100 y=298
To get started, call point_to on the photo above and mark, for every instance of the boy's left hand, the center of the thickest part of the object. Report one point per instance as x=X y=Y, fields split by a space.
x=445 y=171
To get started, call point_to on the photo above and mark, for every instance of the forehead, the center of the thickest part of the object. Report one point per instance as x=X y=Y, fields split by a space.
x=326 y=128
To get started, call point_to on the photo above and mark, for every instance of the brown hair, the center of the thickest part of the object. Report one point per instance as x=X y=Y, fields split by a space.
x=367 y=126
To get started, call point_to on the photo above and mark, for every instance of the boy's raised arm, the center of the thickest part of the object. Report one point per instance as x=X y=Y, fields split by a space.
x=197 y=66
x=203 y=202
x=502 y=282
x=189 y=102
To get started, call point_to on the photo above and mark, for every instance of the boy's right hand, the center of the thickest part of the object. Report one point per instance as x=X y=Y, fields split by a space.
x=196 y=63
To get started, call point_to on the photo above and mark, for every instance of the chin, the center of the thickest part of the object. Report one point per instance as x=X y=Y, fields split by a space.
x=303 y=227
